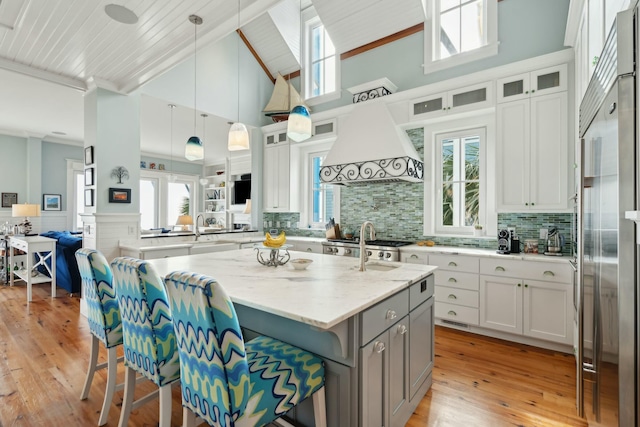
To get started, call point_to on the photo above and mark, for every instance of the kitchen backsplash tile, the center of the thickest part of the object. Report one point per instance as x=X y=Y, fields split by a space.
x=396 y=210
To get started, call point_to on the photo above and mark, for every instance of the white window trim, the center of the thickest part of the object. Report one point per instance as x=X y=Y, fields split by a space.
x=432 y=181
x=490 y=49
x=74 y=167
x=163 y=184
x=301 y=154
x=309 y=17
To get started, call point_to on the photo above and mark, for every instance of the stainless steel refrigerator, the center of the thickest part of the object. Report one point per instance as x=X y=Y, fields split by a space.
x=607 y=286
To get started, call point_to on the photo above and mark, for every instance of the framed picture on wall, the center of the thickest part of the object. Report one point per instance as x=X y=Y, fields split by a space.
x=88 y=197
x=89 y=176
x=9 y=199
x=51 y=202
x=119 y=195
x=88 y=155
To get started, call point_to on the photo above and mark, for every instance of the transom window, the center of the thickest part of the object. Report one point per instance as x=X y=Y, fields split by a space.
x=459 y=31
x=320 y=68
x=459 y=198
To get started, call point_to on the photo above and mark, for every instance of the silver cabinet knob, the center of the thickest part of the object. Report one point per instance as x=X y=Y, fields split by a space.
x=379 y=347
x=391 y=314
x=402 y=329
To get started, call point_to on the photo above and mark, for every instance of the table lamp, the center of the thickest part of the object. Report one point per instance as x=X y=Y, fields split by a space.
x=26 y=210
x=185 y=221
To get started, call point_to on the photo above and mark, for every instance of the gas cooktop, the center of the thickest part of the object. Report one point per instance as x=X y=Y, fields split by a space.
x=377 y=242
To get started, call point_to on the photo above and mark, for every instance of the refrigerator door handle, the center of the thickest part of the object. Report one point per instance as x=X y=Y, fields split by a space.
x=580 y=289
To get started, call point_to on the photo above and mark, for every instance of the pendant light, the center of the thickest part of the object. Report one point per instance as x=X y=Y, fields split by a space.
x=238 y=134
x=194 y=150
x=299 y=122
x=172 y=177
x=204 y=181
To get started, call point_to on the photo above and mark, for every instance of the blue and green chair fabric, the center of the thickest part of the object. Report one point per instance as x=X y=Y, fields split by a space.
x=148 y=336
x=225 y=381
x=105 y=324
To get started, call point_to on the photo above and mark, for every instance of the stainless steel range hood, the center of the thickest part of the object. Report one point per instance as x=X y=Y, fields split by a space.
x=370 y=148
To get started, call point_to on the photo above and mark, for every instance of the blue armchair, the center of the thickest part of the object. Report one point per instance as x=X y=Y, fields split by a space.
x=67 y=273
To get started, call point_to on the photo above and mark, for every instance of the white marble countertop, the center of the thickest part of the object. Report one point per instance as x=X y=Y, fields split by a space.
x=491 y=253
x=329 y=291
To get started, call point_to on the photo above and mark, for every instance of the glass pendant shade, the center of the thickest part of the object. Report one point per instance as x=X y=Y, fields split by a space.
x=194 y=149
x=238 y=137
x=299 y=124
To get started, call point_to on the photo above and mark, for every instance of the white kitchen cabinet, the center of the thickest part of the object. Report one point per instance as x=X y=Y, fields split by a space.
x=414 y=257
x=276 y=177
x=532 y=154
x=513 y=300
x=535 y=83
x=311 y=247
x=456 y=288
x=451 y=102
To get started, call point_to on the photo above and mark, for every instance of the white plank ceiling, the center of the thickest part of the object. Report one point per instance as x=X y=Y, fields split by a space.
x=74 y=45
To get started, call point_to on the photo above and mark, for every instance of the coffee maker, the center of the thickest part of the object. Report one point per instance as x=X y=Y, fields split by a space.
x=508 y=242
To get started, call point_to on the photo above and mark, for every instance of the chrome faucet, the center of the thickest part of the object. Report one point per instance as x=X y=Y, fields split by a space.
x=197 y=230
x=363 y=250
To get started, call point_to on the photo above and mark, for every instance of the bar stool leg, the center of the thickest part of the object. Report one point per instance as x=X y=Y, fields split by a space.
x=112 y=371
x=93 y=362
x=320 y=408
x=127 y=401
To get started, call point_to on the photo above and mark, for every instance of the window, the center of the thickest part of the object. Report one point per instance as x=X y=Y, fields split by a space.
x=459 y=31
x=321 y=62
x=78 y=199
x=460 y=202
x=318 y=202
x=321 y=201
x=162 y=201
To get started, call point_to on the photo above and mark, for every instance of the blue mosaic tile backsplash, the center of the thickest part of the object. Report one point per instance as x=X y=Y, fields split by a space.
x=396 y=210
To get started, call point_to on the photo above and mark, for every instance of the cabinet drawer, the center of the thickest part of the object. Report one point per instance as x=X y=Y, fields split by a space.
x=19 y=244
x=421 y=291
x=457 y=296
x=382 y=315
x=502 y=267
x=455 y=262
x=456 y=279
x=549 y=272
x=414 y=257
x=456 y=313
x=165 y=253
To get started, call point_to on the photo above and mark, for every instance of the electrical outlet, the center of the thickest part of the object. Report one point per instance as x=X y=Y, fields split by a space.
x=278 y=224
x=543 y=233
x=288 y=224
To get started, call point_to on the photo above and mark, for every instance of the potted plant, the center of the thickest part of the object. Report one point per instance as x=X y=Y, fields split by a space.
x=477 y=230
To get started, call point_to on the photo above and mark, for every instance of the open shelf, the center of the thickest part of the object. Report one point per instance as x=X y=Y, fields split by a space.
x=23 y=275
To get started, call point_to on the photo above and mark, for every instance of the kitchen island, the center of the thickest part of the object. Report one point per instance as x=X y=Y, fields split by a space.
x=373 y=329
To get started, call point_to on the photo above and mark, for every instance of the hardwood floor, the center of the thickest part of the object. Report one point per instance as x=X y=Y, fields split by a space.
x=477 y=381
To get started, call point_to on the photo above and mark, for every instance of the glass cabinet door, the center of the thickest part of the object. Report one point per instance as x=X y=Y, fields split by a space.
x=513 y=88
x=549 y=80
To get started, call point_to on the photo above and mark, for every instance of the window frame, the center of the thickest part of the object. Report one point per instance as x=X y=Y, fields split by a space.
x=75 y=169
x=301 y=158
x=460 y=134
x=432 y=39
x=310 y=20
x=162 y=194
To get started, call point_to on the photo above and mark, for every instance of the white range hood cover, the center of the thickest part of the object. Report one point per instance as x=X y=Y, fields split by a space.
x=371 y=148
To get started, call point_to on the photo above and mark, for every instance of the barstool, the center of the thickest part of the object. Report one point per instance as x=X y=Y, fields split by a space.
x=104 y=322
x=225 y=381
x=148 y=337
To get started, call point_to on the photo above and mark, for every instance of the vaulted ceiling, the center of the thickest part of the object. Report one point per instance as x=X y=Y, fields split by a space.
x=74 y=44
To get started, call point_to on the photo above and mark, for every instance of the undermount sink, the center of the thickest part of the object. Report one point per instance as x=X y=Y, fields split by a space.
x=378 y=266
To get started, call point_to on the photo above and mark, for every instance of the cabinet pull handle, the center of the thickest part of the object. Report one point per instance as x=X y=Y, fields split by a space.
x=499 y=268
x=379 y=347
x=526 y=204
x=309 y=250
x=526 y=286
x=452 y=313
x=548 y=273
x=391 y=314
x=519 y=284
x=414 y=256
x=452 y=280
x=402 y=329
x=533 y=204
x=452 y=264
x=452 y=296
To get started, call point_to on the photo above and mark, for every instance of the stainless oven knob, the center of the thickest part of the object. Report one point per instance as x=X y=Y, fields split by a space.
x=368 y=253
x=347 y=251
x=380 y=254
x=388 y=255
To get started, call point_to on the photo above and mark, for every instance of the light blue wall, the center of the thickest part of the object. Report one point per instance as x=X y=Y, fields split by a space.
x=54 y=167
x=178 y=167
x=525 y=29
x=217 y=84
x=14 y=167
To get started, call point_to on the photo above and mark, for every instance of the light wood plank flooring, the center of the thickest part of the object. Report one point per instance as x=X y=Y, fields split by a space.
x=477 y=381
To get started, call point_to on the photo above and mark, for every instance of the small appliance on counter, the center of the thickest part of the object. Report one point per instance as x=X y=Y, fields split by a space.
x=554 y=242
x=508 y=242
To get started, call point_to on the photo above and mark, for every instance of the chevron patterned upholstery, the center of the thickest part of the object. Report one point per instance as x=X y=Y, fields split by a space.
x=224 y=381
x=103 y=312
x=148 y=337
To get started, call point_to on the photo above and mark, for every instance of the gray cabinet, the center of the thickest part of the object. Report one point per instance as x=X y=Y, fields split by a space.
x=397 y=363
